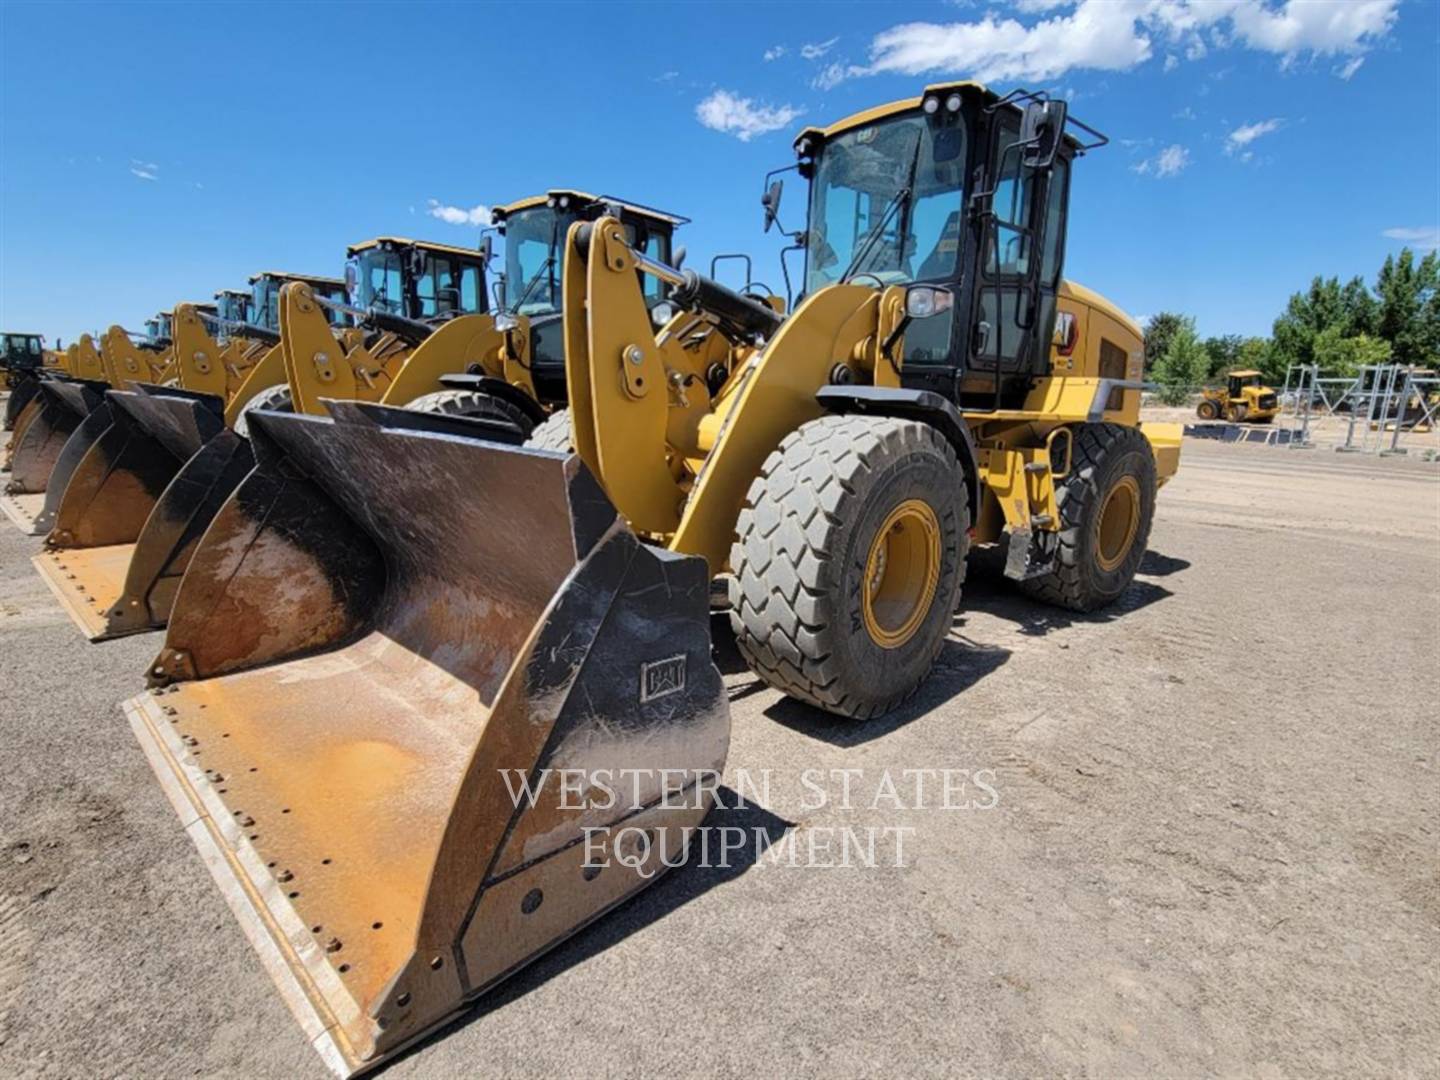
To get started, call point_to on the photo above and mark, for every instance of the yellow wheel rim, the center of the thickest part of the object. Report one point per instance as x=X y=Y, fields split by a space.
x=901 y=573
x=1119 y=521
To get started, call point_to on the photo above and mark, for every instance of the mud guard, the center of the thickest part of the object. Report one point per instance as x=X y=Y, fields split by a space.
x=382 y=629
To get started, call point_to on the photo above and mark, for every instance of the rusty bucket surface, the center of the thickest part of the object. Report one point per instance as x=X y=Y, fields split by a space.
x=379 y=627
x=52 y=424
x=99 y=505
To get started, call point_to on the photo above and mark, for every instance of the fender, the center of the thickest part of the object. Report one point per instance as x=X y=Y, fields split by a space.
x=486 y=384
x=923 y=405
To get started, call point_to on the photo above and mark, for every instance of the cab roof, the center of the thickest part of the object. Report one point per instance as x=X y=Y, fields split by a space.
x=20 y=333
x=1247 y=372
x=500 y=213
x=404 y=241
x=880 y=112
x=309 y=279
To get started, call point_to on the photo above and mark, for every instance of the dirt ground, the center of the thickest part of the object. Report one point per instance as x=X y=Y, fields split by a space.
x=1213 y=847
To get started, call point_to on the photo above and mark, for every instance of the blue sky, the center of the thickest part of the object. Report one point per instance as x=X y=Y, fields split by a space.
x=155 y=152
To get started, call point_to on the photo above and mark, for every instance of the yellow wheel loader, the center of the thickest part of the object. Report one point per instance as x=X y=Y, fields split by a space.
x=22 y=360
x=63 y=398
x=395 y=610
x=115 y=556
x=1243 y=399
x=118 y=516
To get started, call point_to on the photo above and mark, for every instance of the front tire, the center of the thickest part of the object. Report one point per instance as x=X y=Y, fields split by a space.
x=1208 y=410
x=272 y=399
x=848 y=560
x=474 y=403
x=1107 y=504
x=553 y=433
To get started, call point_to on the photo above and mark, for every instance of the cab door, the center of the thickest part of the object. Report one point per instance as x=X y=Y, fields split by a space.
x=1019 y=272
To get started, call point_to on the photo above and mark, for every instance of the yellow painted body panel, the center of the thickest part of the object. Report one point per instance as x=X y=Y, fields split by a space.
x=319 y=364
x=470 y=339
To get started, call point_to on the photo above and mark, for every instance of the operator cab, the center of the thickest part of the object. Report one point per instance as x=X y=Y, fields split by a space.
x=1241 y=379
x=962 y=190
x=263 y=308
x=415 y=278
x=21 y=352
x=159 y=330
x=535 y=231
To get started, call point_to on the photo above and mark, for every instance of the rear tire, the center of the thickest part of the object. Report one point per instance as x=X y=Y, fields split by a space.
x=1208 y=410
x=553 y=433
x=1238 y=413
x=1107 y=504
x=475 y=404
x=848 y=560
x=272 y=399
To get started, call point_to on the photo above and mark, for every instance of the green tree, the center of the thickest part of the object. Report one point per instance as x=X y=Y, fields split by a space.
x=1349 y=311
x=1347 y=355
x=1409 y=309
x=1184 y=365
x=1260 y=354
x=1224 y=353
x=1158 y=332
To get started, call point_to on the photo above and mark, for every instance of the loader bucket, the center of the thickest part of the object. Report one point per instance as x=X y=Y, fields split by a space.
x=383 y=629
x=103 y=506
x=21 y=394
x=35 y=451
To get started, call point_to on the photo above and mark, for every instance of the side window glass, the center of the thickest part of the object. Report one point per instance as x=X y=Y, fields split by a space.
x=1054 y=223
x=34 y=346
x=425 y=289
x=470 y=289
x=1011 y=206
x=447 y=295
x=653 y=287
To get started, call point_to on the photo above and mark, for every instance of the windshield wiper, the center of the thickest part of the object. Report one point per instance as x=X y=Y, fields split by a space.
x=901 y=198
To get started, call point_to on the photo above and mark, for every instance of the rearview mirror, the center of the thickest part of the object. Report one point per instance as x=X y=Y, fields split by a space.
x=1041 y=130
x=486 y=249
x=771 y=202
x=678 y=257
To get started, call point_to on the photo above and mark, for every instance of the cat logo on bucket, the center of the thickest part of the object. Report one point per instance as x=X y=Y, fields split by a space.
x=661 y=677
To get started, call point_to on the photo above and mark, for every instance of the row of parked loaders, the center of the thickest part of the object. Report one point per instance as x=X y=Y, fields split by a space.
x=423 y=536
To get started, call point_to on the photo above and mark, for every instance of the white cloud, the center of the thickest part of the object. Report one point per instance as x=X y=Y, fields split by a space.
x=774 y=53
x=1243 y=136
x=815 y=50
x=1349 y=68
x=1169 y=162
x=145 y=170
x=1187 y=113
x=1171 y=62
x=831 y=75
x=1426 y=238
x=457 y=215
x=1118 y=35
x=743 y=117
x=667 y=76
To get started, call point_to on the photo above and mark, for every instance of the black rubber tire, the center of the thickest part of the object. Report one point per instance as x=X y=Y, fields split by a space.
x=1236 y=414
x=474 y=403
x=799 y=557
x=553 y=433
x=1208 y=410
x=1103 y=454
x=272 y=399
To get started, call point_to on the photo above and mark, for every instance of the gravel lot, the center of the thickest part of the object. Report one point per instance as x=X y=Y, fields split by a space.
x=1213 y=847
